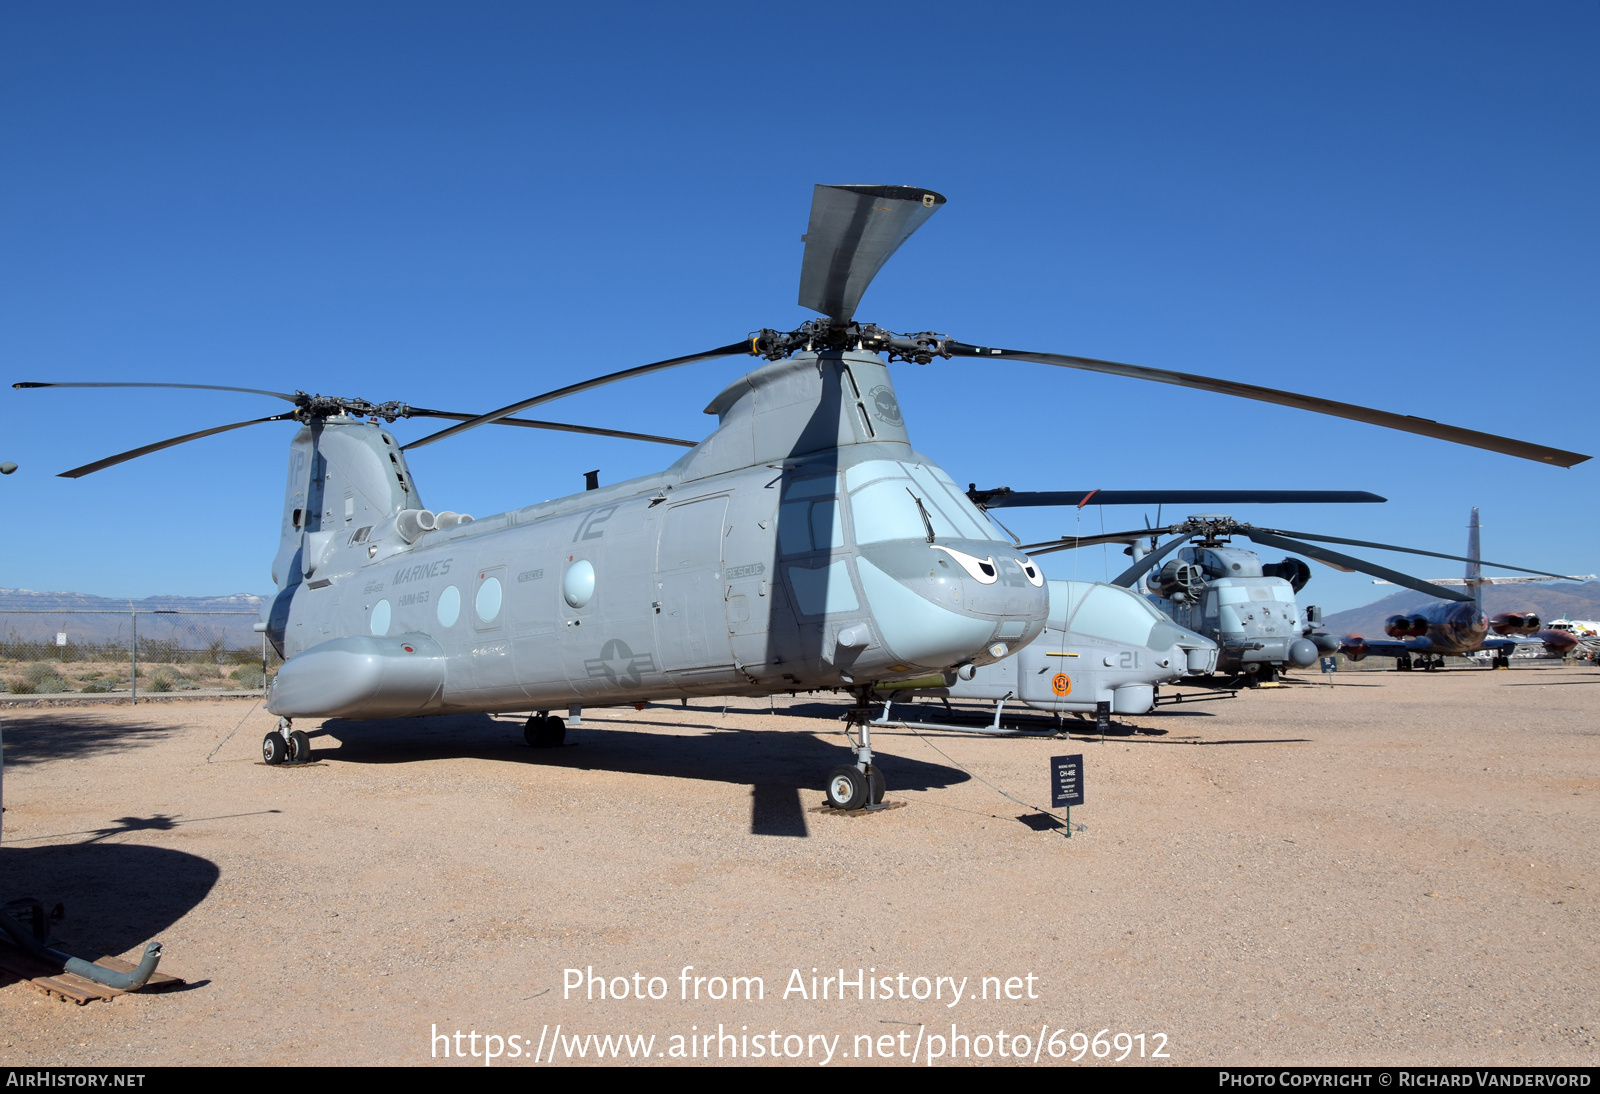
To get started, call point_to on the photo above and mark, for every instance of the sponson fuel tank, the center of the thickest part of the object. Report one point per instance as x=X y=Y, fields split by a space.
x=362 y=676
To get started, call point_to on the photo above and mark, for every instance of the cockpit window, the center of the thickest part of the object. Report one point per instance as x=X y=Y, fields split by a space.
x=1064 y=597
x=810 y=488
x=1120 y=615
x=887 y=509
x=884 y=497
x=957 y=509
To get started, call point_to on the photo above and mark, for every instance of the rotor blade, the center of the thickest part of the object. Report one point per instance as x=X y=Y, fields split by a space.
x=1412 y=551
x=123 y=457
x=560 y=427
x=573 y=389
x=1011 y=499
x=1334 y=558
x=1072 y=543
x=1133 y=573
x=852 y=233
x=191 y=387
x=1408 y=423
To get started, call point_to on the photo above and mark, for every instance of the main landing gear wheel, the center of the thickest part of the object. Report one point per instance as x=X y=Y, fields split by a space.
x=299 y=747
x=274 y=749
x=543 y=731
x=847 y=788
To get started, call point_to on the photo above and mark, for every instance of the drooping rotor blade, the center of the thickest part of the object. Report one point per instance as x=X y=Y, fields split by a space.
x=1133 y=573
x=191 y=387
x=1334 y=558
x=559 y=427
x=1004 y=498
x=1072 y=543
x=1412 y=551
x=1408 y=423
x=852 y=233
x=123 y=457
x=573 y=389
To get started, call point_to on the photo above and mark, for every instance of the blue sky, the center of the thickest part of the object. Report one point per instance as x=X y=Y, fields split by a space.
x=461 y=205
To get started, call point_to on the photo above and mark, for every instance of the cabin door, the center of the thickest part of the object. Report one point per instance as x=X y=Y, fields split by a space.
x=691 y=628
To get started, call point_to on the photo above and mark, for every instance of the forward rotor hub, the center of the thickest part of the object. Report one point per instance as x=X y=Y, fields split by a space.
x=821 y=334
x=318 y=407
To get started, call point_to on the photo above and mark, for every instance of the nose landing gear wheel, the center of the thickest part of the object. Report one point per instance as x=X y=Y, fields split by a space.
x=875 y=786
x=847 y=788
x=543 y=731
x=299 y=747
x=274 y=749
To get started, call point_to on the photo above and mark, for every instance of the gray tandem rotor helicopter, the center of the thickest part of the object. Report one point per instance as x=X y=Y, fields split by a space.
x=802 y=545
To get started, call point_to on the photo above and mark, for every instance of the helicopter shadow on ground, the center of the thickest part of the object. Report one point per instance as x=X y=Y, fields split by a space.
x=116 y=896
x=31 y=738
x=970 y=721
x=1334 y=684
x=1550 y=683
x=777 y=766
x=1091 y=735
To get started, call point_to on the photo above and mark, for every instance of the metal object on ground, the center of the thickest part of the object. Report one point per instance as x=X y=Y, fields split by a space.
x=63 y=971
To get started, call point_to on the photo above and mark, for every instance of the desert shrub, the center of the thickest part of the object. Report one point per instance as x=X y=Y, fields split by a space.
x=248 y=676
x=21 y=687
x=99 y=685
x=38 y=671
x=51 y=685
x=167 y=678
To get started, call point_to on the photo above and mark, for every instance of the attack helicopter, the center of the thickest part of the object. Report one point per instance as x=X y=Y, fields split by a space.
x=1223 y=591
x=1102 y=644
x=803 y=544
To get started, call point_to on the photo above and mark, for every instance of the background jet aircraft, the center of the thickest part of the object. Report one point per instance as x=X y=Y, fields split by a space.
x=1429 y=634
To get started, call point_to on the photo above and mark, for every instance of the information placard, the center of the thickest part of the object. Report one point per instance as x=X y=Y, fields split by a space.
x=1066 y=781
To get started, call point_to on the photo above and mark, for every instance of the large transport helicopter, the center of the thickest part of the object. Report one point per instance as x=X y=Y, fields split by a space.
x=1425 y=636
x=1249 y=608
x=1227 y=592
x=802 y=545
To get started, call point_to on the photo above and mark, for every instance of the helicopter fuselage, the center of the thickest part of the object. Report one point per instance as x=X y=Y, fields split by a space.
x=1102 y=643
x=828 y=555
x=1225 y=594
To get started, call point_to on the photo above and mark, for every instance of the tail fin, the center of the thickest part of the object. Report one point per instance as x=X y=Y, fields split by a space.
x=1474 y=567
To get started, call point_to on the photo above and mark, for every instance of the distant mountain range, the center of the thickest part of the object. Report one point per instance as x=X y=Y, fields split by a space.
x=1550 y=601
x=19 y=621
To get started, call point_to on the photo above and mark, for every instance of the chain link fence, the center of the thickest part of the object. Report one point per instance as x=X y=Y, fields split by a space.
x=131 y=655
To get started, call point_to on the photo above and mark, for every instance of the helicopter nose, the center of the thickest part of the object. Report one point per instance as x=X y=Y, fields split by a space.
x=941 y=605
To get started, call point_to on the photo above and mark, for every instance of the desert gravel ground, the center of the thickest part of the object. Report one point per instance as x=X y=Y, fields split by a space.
x=1386 y=868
